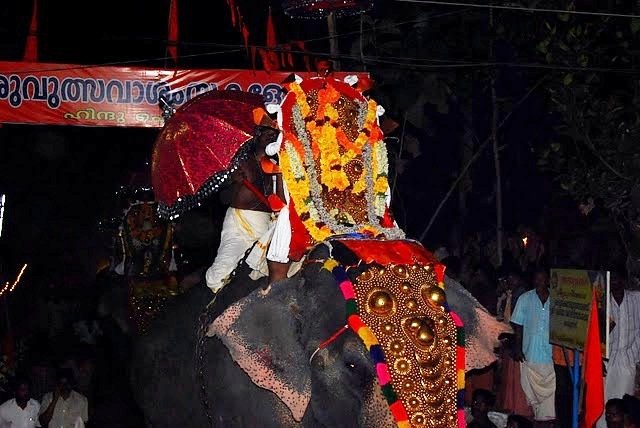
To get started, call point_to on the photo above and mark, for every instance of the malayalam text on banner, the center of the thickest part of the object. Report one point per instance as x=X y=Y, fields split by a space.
x=571 y=292
x=67 y=94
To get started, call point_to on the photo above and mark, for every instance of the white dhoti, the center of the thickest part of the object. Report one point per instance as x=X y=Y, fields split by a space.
x=539 y=386
x=240 y=230
x=273 y=245
x=620 y=380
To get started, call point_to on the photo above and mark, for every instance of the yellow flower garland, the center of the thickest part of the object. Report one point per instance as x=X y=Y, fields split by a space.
x=326 y=148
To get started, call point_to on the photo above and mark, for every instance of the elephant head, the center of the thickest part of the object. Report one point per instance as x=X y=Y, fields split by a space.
x=291 y=339
x=273 y=335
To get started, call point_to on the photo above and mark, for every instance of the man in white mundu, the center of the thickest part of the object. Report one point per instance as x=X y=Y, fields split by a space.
x=530 y=319
x=624 y=338
x=251 y=219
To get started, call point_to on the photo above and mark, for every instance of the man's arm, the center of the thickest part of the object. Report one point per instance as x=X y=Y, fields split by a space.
x=517 y=321
x=519 y=355
x=49 y=404
x=85 y=410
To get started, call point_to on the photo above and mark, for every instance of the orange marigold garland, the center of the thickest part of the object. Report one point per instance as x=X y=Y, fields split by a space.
x=333 y=143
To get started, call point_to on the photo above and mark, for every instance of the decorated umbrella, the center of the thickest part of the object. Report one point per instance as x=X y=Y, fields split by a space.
x=199 y=147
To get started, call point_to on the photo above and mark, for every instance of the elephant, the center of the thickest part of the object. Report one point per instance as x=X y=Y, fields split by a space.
x=183 y=374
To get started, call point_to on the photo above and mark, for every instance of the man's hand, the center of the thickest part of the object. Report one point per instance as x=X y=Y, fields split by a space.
x=56 y=394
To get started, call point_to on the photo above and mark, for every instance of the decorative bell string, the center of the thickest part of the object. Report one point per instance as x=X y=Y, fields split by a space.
x=167 y=108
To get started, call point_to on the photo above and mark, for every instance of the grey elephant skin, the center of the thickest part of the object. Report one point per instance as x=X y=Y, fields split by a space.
x=178 y=384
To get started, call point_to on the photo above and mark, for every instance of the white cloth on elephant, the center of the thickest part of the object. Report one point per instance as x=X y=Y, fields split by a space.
x=539 y=386
x=481 y=329
x=240 y=230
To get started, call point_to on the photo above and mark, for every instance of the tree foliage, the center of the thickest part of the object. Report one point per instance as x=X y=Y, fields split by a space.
x=594 y=93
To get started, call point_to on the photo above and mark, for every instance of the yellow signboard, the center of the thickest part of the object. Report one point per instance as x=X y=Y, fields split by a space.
x=571 y=292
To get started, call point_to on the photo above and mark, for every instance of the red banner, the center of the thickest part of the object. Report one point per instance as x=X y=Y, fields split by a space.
x=64 y=94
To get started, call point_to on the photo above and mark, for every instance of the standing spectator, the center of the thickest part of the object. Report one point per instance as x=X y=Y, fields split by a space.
x=530 y=320
x=21 y=411
x=63 y=407
x=512 y=287
x=511 y=397
x=624 y=338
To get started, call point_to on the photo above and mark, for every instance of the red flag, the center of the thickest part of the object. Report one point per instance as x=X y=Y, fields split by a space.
x=172 y=45
x=594 y=383
x=270 y=58
x=31 y=46
x=271 y=32
x=234 y=10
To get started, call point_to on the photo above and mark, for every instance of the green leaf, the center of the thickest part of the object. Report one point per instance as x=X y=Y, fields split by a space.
x=568 y=79
x=564 y=17
x=635 y=25
x=583 y=60
x=542 y=47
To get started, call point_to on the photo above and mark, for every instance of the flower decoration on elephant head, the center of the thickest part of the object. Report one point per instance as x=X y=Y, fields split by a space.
x=334 y=160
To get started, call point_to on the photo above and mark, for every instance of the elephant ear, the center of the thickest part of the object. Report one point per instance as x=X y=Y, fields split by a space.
x=261 y=332
x=481 y=329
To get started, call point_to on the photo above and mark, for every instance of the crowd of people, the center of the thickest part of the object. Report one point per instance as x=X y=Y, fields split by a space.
x=69 y=368
x=531 y=377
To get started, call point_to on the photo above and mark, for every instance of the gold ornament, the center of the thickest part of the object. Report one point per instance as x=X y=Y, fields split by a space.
x=402 y=366
x=396 y=347
x=433 y=294
x=408 y=385
x=381 y=303
x=365 y=276
x=401 y=271
x=416 y=335
x=418 y=419
x=413 y=402
x=411 y=304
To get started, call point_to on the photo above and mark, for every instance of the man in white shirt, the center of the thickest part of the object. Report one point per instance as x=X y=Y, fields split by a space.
x=624 y=338
x=21 y=411
x=63 y=407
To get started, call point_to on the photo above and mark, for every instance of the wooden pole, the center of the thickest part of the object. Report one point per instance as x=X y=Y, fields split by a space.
x=496 y=150
x=333 y=42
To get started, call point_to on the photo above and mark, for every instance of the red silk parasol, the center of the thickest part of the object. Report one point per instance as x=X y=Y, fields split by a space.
x=199 y=146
